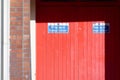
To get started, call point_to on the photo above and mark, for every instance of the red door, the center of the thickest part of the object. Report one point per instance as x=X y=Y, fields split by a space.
x=75 y=54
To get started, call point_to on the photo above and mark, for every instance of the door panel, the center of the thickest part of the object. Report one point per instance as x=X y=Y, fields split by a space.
x=76 y=55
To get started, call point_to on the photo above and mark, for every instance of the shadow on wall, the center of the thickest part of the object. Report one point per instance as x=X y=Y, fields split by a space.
x=73 y=13
x=72 y=0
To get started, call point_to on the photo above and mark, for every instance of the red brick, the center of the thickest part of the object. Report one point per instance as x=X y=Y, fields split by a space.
x=19 y=9
x=20 y=40
x=16 y=51
x=13 y=32
x=19 y=55
x=26 y=36
x=12 y=9
x=27 y=18
x=16 y=1
x=13 y=18
x=26 y=9
x=19 y=37
x=27 y=50
x=13 y=28
x=16 y=4
x=16 y=14
x=26 y=4
x=13 y=37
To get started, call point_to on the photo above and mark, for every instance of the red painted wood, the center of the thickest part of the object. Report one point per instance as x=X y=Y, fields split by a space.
x=77 y=55
x=83 y=12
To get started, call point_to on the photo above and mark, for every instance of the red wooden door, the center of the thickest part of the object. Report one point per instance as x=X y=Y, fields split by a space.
x=75 y=55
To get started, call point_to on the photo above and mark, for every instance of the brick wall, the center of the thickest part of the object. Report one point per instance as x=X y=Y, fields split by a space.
x=20 y=40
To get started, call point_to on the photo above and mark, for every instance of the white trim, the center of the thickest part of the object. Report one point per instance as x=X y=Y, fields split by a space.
x=0 y=40
x=33 y=49
x=4 y=36
x=33 y=40
x=6 y=42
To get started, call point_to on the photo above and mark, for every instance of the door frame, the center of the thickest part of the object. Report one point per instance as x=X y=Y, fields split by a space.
x=5 y=41
x=33 y=39
x=0 y=42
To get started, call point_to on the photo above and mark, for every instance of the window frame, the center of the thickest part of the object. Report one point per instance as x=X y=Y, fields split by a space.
x=4 y=36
